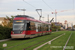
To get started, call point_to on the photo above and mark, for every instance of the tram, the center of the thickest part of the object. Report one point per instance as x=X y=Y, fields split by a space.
x=27 y=27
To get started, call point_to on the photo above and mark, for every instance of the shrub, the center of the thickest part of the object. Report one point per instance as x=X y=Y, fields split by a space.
x=5 y=32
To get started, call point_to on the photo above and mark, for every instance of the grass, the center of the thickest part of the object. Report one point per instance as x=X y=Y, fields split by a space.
x=72 y=42
x=60 y=42
x=24 y=43
x=21 y=47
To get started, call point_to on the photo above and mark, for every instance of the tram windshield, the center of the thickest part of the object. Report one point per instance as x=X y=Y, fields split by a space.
x=18 y=26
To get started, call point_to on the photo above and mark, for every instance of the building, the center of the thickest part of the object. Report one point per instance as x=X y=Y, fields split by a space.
x=57 y=24
x=2 y=19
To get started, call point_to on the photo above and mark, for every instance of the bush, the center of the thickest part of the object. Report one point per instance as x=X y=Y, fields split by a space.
x=5 y=32
x=54 y=28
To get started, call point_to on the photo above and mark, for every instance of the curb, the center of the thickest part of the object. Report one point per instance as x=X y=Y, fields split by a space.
x=5 y=40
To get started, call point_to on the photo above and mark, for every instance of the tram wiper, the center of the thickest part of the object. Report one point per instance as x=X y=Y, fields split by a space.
x=20 y=28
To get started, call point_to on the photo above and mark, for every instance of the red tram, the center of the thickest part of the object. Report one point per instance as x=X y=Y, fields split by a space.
x=25 y=26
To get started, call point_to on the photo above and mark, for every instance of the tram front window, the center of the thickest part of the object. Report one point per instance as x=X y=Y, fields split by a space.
x=18 y=26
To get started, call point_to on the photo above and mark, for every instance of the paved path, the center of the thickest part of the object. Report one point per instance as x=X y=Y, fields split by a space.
x=67 y=42
x=5 y=40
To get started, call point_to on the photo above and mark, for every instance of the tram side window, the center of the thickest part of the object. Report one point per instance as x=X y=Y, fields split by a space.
x=32 y=25
x=47 y=27
x=28 y=26
x=39 y=27
x=42 y=27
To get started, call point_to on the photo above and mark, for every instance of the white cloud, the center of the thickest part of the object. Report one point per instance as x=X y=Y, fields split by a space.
x=7 y=1
x=4 y=8
x=69 y=18
x=30 y=13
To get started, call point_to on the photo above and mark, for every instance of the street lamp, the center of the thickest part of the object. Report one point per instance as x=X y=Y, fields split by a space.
x=22 y=10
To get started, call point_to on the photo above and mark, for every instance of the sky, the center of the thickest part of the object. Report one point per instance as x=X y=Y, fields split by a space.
x=65 y=9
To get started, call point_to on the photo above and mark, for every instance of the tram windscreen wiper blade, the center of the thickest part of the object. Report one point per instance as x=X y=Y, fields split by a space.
x=20 y=28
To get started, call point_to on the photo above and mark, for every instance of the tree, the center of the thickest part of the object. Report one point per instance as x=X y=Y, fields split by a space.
x=8 y=24
x=54 y=27
x=5 y=23
x=10 y=19
x=74 y=26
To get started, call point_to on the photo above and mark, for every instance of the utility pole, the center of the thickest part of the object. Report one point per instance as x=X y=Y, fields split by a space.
x=55 y=16
x=40 y=14
x=48 y=18
x=43 y=18
x=72 y=25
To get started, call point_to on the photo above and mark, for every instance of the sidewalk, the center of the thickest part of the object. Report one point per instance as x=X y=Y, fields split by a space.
x=5 y=40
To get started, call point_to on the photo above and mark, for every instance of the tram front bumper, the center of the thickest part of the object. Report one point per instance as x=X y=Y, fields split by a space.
x=18 y=36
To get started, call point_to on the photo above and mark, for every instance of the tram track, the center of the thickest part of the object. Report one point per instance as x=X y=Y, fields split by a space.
x=30 y=41
x=14 y=41
x=40 y=42
x=25 y=42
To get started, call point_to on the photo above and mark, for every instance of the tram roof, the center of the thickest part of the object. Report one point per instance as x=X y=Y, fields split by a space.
x=25 y=17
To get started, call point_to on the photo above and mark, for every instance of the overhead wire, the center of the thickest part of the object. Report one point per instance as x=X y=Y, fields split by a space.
x=29 y=4
x=35 y=7
x=47 y=5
